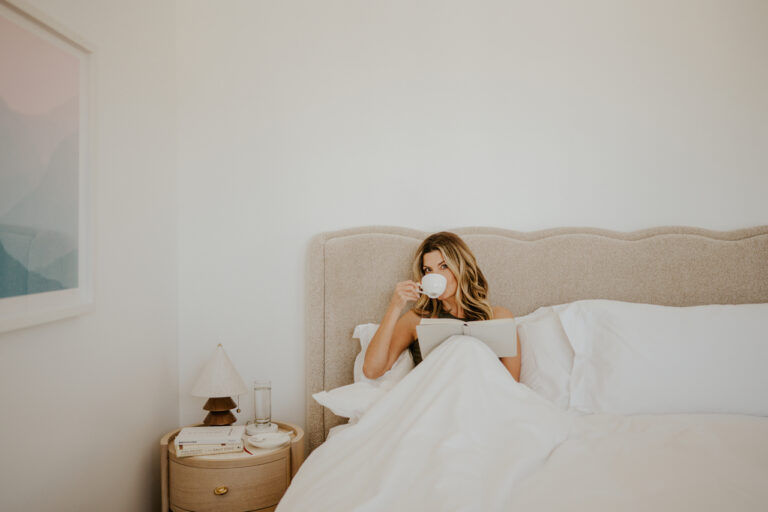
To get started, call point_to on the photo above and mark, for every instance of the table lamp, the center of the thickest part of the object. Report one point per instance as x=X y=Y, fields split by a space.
x=219 y=381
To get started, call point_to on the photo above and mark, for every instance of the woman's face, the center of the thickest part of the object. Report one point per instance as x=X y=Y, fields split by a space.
x=434 y=263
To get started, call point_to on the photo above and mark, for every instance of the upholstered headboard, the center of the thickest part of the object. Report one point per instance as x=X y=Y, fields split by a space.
x=351 y=275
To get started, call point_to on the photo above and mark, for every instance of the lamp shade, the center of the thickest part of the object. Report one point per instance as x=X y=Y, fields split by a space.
x=219 y=378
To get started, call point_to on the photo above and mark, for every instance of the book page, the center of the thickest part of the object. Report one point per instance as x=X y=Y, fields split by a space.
x=433 y=333
x=499 y=334
x=437 y=321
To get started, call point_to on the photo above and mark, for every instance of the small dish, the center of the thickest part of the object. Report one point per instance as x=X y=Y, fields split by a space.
x=269 y=440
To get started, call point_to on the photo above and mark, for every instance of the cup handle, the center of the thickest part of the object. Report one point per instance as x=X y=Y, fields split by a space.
x=422 y=292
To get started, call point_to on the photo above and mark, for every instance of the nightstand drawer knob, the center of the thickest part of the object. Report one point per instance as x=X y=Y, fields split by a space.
x=220 y=491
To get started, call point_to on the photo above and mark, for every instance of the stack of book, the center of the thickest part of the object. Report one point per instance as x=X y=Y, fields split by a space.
x=209 y=440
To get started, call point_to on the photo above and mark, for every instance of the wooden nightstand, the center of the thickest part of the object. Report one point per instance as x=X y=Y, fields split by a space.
x=231 y=482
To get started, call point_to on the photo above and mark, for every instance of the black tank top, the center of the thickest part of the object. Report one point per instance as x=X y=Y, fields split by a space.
x=414 y=346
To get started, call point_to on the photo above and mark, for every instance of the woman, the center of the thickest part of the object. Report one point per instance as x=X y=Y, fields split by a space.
x=464 y=298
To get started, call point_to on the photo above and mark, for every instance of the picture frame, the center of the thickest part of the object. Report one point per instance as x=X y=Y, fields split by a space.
x=46 y=169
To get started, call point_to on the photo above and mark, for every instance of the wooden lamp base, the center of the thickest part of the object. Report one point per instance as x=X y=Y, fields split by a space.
x=220 y=413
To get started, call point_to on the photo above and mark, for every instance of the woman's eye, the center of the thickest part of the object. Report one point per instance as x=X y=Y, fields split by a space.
x=426 y=270
x=443 y=266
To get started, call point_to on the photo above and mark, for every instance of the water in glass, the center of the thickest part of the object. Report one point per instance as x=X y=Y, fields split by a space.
x=262 y=402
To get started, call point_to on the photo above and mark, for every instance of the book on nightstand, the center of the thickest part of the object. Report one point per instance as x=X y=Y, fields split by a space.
x=209 y=440
x=191 y=450
x=210 y=435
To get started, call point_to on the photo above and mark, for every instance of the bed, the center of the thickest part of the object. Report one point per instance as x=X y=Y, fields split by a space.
x=350 y=276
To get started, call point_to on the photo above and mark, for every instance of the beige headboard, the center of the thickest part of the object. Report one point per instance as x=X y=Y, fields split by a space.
x=351 y=275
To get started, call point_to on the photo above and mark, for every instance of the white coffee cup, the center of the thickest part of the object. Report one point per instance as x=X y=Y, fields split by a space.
x=433 y=285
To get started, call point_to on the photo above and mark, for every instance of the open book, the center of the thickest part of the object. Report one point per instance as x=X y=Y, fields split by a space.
x=500 y=334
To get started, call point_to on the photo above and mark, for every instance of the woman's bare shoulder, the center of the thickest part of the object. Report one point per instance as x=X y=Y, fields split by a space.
x=410 y=318
x=502 y=312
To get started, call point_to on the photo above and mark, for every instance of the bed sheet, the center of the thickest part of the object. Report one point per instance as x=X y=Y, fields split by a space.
x=460 y=434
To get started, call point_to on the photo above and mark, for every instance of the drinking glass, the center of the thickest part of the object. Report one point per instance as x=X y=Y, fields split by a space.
x=262 y=402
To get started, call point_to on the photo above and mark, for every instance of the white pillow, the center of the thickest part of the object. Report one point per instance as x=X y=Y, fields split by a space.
x=351 y=401
x=546 y=355
x=645 y=359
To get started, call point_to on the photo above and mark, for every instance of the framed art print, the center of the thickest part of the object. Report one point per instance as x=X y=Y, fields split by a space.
x=46 y=158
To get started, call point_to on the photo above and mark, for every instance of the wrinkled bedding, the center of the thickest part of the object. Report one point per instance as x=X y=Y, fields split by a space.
x=458 y=433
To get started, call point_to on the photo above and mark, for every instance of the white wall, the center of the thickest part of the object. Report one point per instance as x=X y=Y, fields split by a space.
x=85 y=400
x=298 y=117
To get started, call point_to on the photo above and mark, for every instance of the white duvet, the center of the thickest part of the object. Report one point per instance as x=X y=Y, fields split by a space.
x=460 y=434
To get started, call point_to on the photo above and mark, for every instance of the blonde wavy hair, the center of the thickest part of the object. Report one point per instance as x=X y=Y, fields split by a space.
x=472 y=289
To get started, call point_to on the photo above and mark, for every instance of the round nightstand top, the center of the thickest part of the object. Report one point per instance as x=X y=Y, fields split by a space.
x=248 y=456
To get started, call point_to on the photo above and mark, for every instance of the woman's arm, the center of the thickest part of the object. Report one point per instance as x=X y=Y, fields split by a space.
x=394 y=334
x=511 y=363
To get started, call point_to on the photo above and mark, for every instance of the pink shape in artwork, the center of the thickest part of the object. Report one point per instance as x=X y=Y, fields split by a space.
x=36 y=76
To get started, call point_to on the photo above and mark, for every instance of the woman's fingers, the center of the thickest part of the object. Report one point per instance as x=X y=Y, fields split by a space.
x=408 y=291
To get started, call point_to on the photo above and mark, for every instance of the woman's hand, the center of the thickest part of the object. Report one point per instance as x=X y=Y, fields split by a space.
x=405 y=292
